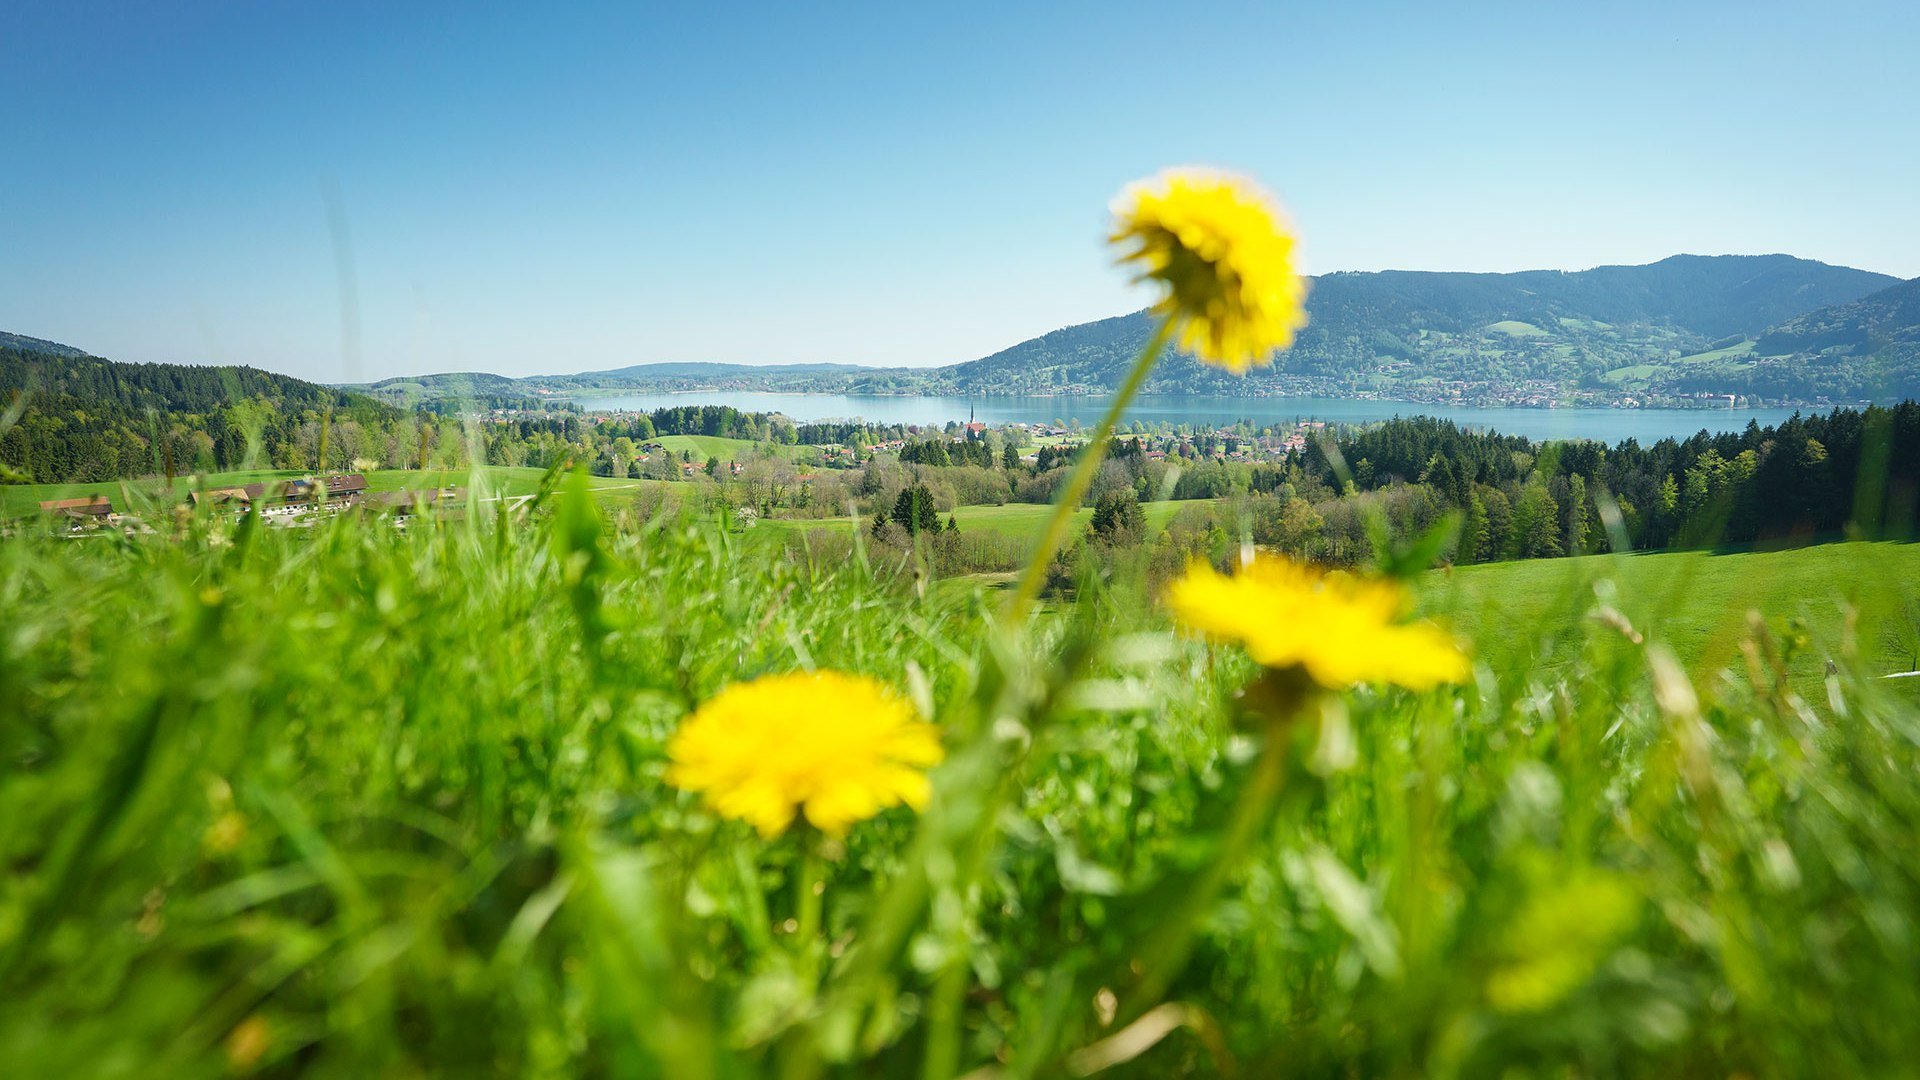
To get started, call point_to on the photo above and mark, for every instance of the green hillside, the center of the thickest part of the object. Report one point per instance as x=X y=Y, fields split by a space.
x=719 y=446
x=1698 y=603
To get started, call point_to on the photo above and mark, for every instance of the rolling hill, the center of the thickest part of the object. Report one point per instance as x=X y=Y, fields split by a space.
x=1888 y=320
x=1864 y=348
x=67 y=417
x=24 y=343
x=1377 y=331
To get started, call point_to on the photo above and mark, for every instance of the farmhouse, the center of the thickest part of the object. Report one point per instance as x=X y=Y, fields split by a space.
x=91 y=508
x=406 y=502
x=219 y=496
x=301 y=494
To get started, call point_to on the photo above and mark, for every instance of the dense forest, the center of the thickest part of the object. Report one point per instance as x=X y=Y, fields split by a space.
x=83 y=418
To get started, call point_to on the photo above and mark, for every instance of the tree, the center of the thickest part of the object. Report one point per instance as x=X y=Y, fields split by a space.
x=1536 y=521
x=1363 y=474
x=1301 y=528
x=914 y=512
x=1666 y=504
x=1118 y=519
x=1577 y=517
x=1010 y=457
x=1473 y=532
x=1499 y=523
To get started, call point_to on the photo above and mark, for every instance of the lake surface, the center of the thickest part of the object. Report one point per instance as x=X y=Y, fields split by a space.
x=1605 y=425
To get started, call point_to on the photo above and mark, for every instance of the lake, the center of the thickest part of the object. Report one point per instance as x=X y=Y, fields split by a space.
x=1605 y=425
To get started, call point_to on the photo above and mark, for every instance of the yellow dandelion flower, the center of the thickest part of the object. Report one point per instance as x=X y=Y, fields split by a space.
x=839 y=748
x=1216 y=243
x=1340 y=629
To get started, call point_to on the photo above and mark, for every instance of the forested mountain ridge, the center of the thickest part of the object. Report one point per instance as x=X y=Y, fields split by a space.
x=1612 y=334
x=40 y=345
x=165 y=387
x=85 y=418
x=1453 y=334
x=1865 y=348
x=1888 y=320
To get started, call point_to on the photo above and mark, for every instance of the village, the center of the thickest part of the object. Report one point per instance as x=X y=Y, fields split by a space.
x=285 y=503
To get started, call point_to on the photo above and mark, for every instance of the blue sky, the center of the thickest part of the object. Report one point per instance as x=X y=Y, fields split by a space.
x=344 y=191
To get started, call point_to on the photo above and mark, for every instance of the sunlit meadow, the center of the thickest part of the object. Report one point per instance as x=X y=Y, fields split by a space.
x=561 y=790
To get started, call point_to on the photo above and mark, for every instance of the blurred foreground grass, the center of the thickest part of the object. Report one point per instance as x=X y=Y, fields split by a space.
x=362 y=801
x=154 y=497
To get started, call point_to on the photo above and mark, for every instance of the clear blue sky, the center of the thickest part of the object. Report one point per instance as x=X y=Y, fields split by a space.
x=572 y=187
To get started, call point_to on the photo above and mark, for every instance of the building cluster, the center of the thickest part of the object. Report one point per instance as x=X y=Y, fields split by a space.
x=279 y=502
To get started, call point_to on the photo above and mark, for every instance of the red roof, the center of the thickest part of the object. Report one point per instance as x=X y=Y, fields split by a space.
x=95 y=505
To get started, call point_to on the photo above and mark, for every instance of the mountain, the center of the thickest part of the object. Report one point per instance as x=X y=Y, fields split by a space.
x=1886 y=321
x=33 y=344
x=55 y=380
x=1868 y=347
x=676 y=370
x=83 y=418
x=1397 y=330
x=704 y=376
x=1686 y=326
x=466 y=385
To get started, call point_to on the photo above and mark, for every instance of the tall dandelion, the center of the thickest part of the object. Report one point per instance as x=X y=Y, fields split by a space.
x=1215 y=245
x=1314 y=632
x=1337 y=629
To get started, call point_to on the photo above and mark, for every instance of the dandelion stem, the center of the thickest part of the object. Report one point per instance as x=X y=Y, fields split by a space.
x=809 y=899
x=1165 y=952
x=1082 y=477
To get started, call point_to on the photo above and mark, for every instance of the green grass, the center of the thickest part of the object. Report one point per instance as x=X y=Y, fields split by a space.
x=1743 y=349
x=1700 y=600
x=1515 y=328
x=1633 y=375
x=364 y=801
x=742 y=450
x=1697 y=603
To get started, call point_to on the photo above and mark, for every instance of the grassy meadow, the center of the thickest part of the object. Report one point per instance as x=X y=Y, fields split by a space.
x=1701 y=603
x=703 y=447
x=360 y=801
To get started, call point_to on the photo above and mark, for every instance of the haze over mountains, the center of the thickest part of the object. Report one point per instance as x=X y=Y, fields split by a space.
x=1773 y=327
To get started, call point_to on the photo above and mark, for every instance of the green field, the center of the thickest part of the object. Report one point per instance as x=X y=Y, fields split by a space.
x=1697 y=603
x=1515 y=328
x=1635 y=375
x=1730 y=352
x=1700 y=600
x=717 y=446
